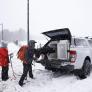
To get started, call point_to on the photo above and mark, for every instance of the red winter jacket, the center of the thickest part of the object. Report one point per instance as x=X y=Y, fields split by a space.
x=4 y=59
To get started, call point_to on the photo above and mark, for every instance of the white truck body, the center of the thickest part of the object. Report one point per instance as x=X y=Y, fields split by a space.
x=82 y=52
x=69 y=52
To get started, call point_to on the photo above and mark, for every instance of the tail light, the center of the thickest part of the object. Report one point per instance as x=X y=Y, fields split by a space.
x=73 y=56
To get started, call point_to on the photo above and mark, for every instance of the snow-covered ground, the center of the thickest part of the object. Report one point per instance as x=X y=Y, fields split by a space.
x=45 y=81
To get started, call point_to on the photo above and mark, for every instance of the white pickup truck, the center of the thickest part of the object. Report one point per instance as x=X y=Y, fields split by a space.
x=69 y=53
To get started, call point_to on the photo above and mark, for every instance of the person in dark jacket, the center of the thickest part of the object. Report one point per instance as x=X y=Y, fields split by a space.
x=27 y=65
x=4 y=61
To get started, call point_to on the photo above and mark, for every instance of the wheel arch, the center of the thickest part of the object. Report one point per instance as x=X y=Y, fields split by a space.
x=87 y=57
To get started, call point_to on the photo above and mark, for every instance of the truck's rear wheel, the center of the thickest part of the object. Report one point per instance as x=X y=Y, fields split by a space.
x=85 y=69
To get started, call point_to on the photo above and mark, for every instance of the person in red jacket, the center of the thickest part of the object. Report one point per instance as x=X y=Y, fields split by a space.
x=4 y=61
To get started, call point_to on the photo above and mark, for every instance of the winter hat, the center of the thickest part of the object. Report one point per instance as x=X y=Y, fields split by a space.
x=31 y=42
x=3 y=44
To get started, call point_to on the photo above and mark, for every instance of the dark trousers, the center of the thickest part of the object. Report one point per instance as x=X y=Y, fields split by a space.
x=4 y=75
x=26 y=68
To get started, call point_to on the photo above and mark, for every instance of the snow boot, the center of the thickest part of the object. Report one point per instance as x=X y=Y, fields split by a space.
x=21 y=83
x=31 y=76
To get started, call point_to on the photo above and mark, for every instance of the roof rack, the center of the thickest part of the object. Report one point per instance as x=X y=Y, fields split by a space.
x=88 y=37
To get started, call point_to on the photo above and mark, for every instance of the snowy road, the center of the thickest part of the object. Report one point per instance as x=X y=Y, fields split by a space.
x=45 y=81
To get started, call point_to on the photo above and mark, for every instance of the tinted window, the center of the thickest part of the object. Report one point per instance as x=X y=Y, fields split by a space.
x=90 y=42
x=80 y=42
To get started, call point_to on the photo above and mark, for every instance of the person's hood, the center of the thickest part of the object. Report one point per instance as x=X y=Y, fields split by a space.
x=3 y=44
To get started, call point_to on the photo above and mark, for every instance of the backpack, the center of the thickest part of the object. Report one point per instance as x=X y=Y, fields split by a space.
x=21 y=53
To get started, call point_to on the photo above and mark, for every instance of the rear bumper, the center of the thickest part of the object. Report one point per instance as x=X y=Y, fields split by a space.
x=57 y=64
x=67 y=68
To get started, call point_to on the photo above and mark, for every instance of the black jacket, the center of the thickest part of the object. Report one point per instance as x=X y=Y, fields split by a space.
x=29 y=54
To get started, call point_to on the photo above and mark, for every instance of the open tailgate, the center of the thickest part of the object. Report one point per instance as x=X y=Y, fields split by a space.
x=61 y=34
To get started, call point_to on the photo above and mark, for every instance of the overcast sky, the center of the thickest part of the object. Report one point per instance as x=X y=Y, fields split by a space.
x=47 y=15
